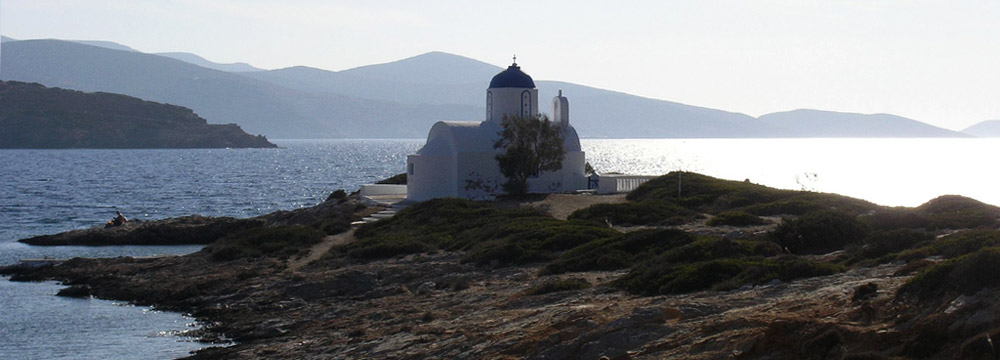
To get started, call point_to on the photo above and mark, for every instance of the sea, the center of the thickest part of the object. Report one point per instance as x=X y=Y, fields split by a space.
x=49 y=191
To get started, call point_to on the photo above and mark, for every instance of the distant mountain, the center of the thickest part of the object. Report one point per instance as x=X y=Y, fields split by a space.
x=818 y=123
x=988 y=128
x=200 y=61
x=401 y=98
x=106 y=44
x=35 y=116
x=4 y=39
x=259 y=107
x=430 y=68
x=444 y=79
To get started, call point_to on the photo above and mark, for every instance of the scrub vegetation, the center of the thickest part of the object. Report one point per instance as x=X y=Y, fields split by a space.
x=281 y=241
x=668 y=258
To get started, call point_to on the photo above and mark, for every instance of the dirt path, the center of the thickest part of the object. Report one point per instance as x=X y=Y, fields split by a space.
x=318 y=250
x=560 y=206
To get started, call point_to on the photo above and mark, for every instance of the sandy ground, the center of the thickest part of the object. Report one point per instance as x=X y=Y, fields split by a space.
x=560 y=206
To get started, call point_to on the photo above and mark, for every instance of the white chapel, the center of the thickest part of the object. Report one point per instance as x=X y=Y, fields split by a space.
x=458 y=159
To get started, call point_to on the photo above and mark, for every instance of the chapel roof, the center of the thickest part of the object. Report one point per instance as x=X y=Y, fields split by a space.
x=513 y=77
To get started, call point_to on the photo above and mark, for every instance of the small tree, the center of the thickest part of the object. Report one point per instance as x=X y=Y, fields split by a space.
x=530 y=146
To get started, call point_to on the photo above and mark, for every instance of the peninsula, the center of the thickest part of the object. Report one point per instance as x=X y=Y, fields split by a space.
x=723 y=269
x=38 y=117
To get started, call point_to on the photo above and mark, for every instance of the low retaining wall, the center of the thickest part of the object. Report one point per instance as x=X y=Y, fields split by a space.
x=616 y=184
x=382 y=189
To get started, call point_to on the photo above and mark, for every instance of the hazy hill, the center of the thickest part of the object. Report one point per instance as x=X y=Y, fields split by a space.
x=441 y=79
x=988 y=128
x=4 y=39
x=200 y=61
x=35 y=116
x=258 y=106
x=401 y=98
x=430 y=68
x=817 y=123
x=105 y=44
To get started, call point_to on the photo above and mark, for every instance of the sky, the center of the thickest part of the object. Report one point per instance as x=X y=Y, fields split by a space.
x=932 y=61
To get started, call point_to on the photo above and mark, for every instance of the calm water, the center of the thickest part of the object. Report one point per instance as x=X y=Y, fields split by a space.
x=48 y=191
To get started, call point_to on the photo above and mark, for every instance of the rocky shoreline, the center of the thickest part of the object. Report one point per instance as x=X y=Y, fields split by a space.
x=438 y=305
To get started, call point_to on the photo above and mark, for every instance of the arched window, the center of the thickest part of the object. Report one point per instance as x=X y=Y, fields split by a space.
x=526 y=103
x=489 y=105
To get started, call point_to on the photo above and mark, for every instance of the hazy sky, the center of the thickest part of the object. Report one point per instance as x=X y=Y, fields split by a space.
x=934 y=61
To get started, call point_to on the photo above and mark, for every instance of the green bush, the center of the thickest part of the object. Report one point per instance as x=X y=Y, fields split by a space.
x=708 y=194
x=489 y=235
x=558 y=285
x=642 y=213
x=535 y=240
x=333 y=226
x=618 y=252
x=700 y=191
x=819 y=232
x=449 y=224
x=881 y=243
x=387 y=247
x=659 y=277
x=735 y=218
x=897 y=218
x=967 y=275
x=954 y=245
x=338 y=194
x=803 y=202
x=275 y=241
x=959 y=212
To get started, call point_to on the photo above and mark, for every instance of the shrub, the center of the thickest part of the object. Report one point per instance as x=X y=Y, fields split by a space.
x=618 y=252
x=558 y=285
x=275 y=241
x=535 y=240
x=387 y=247
x=819 y=232
x=712 y=195
x=881 y=243
x=657 y=277
x=333 y=226
x=954 y=245
x=735 y=218
x=486 y=233
x=967 y=275
x=700 y=191
x=897 y=218
x=959 y=212
x=642 y=213
x=338 y=194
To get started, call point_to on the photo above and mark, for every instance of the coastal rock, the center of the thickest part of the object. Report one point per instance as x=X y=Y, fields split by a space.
x=75 y=291
x=349 y=283
x=185 y=230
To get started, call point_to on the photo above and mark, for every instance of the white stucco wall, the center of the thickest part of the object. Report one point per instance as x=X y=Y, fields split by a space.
x=506 y=101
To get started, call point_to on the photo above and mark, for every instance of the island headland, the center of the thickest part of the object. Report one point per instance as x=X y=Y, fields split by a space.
x=39 y=117
x=709 y=269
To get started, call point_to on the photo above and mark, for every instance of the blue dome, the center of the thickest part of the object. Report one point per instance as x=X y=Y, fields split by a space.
x=513 y=77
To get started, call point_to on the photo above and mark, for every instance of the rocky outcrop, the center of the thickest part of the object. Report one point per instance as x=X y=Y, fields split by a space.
x=200 y=230
x=409 y=307
x=434 y=305
x=185 y=230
